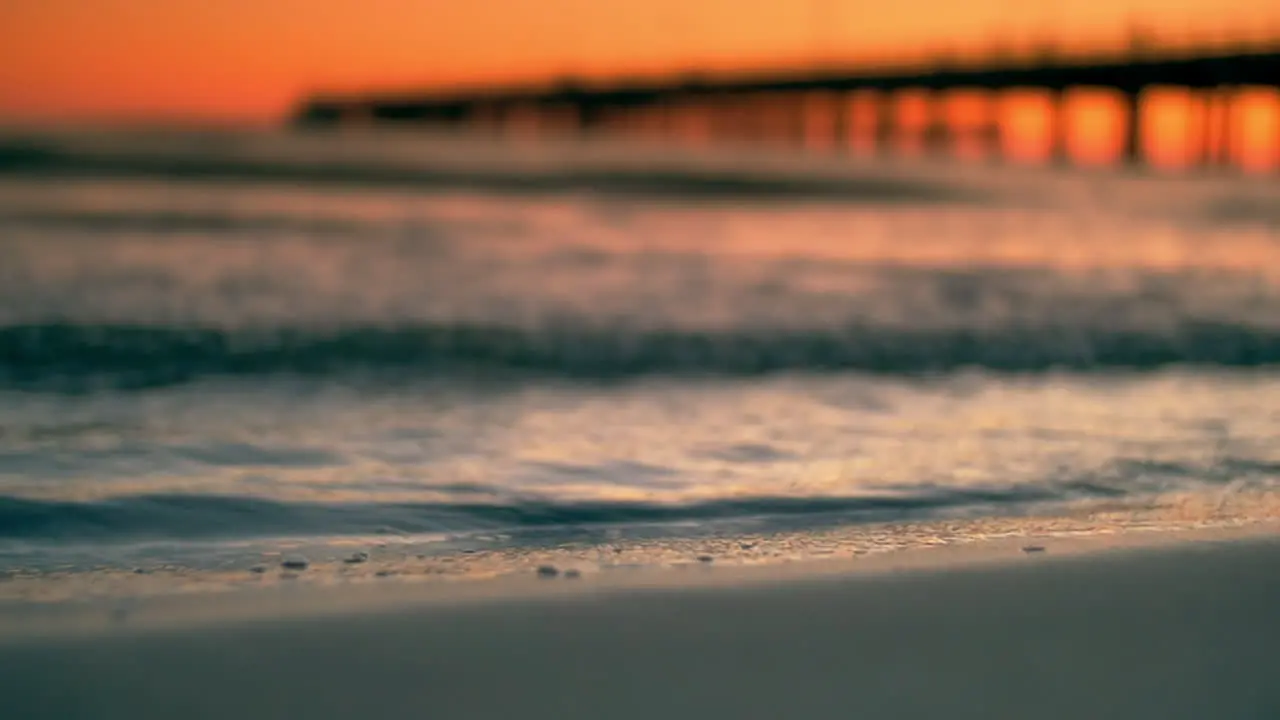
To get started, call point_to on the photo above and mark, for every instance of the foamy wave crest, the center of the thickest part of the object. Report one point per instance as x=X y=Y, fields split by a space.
x=217 y=516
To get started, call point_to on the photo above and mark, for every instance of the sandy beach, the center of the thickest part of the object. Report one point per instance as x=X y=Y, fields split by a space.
x=1164 y=630
x=382 y=426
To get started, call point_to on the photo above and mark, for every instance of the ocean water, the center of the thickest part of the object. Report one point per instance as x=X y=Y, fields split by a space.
x=220 y=349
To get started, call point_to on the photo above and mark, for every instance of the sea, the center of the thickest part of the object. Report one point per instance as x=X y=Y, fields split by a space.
x=265 y=355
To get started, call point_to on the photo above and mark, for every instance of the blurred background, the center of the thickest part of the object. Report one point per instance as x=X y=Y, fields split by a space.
x=246 y=63
x=410 y=277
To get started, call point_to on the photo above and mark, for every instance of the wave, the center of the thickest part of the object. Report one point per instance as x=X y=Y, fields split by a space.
x=178 y=222
x=189 y=517
x=48 y=158
x=68 y=356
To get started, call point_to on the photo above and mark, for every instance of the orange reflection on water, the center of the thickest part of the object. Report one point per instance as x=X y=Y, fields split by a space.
x=1027 y=127
x=1257 y=128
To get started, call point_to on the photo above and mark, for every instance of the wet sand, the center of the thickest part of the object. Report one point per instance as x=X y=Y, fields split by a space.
x=1169 y=630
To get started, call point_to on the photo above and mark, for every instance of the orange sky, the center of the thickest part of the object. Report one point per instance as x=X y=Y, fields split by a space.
x=248 y=60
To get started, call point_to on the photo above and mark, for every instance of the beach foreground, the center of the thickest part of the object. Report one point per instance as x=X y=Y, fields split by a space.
x=1187 y=630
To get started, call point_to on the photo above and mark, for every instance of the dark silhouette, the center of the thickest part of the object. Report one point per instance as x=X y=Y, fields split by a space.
x=737 y=107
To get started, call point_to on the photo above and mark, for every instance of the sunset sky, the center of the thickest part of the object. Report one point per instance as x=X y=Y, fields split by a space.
x=248 y=60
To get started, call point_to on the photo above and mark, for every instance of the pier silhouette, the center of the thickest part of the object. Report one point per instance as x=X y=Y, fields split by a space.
x=780 y=106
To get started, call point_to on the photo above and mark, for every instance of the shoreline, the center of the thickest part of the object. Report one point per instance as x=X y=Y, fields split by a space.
x=299 y=596
x=1180 y=627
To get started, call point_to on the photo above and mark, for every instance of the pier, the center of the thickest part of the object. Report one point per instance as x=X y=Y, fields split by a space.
x=825 y=106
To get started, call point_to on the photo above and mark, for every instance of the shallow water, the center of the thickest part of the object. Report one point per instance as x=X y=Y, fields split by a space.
x=214 y=350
